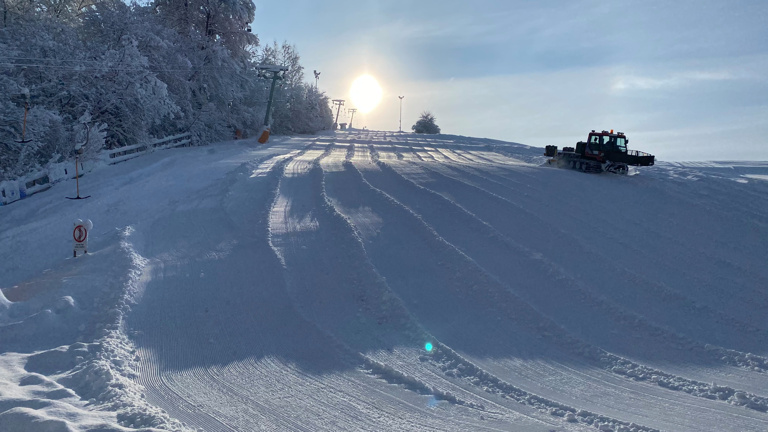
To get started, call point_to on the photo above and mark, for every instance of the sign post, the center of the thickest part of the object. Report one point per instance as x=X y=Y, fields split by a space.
x=80 y=236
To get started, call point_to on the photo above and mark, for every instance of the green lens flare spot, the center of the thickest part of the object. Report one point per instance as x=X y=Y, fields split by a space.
x=428 y=346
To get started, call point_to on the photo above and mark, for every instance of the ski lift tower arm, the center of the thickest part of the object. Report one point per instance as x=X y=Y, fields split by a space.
x=276 y=70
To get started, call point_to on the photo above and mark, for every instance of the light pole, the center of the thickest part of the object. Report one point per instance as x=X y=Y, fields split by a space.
x=317 y=77
x=353 y=111
x=401 y=112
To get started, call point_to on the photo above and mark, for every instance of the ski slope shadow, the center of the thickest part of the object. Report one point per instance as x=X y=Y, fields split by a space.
x=244 y=325
x=215 y=301
x=321 y=276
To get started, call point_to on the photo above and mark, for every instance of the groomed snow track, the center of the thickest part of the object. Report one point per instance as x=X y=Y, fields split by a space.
x=295 y=291
x=308 y=305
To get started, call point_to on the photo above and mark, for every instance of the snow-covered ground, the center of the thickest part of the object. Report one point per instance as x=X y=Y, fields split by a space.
x=294 y=286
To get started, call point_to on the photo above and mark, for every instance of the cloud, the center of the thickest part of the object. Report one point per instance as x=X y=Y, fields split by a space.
x=451 y=28
x=546 y=72
x=560 y=107
x=676 y=80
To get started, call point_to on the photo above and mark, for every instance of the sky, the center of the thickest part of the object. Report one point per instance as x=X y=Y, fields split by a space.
x=685 y=80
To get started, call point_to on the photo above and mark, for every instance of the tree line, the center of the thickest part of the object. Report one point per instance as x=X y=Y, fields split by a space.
x=130 y=73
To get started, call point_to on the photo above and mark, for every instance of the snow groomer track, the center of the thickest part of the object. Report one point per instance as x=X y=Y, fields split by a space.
x=554 y=300
x=295 y=287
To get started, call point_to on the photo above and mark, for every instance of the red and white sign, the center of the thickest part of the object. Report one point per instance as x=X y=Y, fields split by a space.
x=80 y=235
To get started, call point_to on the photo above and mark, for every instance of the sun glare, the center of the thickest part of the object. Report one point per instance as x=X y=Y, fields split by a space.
x=365 y=93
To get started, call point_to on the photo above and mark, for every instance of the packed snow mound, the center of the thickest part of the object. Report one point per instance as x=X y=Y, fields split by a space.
x=386 y=281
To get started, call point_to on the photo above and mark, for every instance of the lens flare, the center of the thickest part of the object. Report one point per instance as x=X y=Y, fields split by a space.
x=433 y=401
x=428 y=346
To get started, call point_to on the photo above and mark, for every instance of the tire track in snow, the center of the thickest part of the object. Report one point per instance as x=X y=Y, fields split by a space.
x=458 y=157
x=413 y=154
x=348 y=385
x=745 y=361
x=328 y=154
x=697 y=273
x=358 y=292
x=694 y=274
x=203 y=378
x=718 y=354
x=746 y=203
x=431 y=321
x=486 y=180
x=696 y=387
x=218 y=382
x=382 y=371
x=192 y=386
x=477 y=180
x=709 y=316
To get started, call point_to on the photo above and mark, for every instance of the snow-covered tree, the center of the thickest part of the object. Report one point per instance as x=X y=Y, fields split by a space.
x=426 y=124
x=89 y=136
x=284 y=55
x=224 y=21
x=298 y=107
x=134 y=73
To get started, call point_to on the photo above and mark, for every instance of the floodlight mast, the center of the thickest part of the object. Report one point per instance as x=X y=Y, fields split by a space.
x=264 y=137
x=339 y=103
x=353 y=111
x=401 y=112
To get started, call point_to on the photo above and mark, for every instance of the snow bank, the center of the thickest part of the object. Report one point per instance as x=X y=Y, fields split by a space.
x=57 y=389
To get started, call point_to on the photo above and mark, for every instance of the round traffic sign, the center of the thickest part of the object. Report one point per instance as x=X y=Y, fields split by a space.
x=80 y=234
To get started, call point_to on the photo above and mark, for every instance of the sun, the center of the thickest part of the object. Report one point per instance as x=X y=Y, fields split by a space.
x=365 y=93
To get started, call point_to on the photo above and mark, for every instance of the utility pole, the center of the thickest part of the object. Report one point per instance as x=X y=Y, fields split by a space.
x=317 y=77
x=401 y=112
x=340 y=103
x=353 y=111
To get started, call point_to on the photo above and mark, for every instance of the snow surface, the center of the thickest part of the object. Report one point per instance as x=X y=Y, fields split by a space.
x=294 y=286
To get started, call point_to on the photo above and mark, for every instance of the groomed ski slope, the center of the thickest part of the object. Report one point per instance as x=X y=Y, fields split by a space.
x=294 y=286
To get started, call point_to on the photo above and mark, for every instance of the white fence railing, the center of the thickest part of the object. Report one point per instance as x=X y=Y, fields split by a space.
x=33 y=183
x=129 y=152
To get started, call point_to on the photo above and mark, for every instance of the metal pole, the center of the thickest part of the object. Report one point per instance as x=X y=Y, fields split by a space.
x=338 y=109
x=353 y=111
x=264 y=134
x=271 y=93
x=77 y=176
x=401 y=112
x=24 y=128
x=338 y=102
